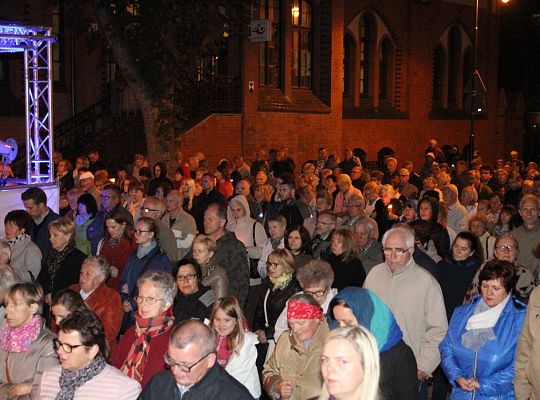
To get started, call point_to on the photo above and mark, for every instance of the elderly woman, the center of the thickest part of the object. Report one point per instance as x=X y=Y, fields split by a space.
x=117 y=245
x=25 y=343
x=193 y=301
x=139 y=353
x=456 y=272
x=350 y=365
x=278 y=288
x=25 y=254
x=83 y=372
x=343 y=257
x=478 y=225
x=293 y=369
x=87 y=209
x=213 y=276
x=478 y=352
x=361 y=307
x=147 y=257
x=298 y=242
x=101 y=299
x=346 y=190
x=315 y=278
x=63 y=264
x=506 y=249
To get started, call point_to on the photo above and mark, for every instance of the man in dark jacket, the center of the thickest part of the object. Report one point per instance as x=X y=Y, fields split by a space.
x=208 y=196
x=194 y=373
x=231 y=254
x=35 y=203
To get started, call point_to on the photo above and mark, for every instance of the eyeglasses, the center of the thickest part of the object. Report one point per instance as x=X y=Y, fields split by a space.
x=507 y=247
x=148 y=300
x=183 y=367
x=319 y=293
x=146 y=209
x=66 y=348
x=398 y=252
x=187 y=277
x=139 y=232
x=271 y=265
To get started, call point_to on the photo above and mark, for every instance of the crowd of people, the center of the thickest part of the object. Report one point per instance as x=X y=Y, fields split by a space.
x=275 y=280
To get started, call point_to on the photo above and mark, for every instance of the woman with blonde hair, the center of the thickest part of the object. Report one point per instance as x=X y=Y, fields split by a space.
x=350 y=365
x=187 y=193
x=213 y=276
x=236 y=351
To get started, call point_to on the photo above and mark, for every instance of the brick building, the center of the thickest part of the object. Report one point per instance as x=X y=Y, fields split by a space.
x=336 y=73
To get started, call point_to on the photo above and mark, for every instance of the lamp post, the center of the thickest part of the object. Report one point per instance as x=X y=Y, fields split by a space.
x=476 y=79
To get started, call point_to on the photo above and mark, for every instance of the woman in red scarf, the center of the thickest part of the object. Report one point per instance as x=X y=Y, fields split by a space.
x=139 y=353
x=117 y=245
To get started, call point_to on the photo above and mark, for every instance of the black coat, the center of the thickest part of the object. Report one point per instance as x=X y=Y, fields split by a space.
x=217 y=384
x=40 y=234
x=67 y=274
x=191 y=306
x=275 y=303
x=346 y=273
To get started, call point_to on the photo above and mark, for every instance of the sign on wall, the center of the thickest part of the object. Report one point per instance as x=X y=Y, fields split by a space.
x=260 y=30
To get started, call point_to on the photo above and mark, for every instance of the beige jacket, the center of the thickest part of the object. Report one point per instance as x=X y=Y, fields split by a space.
x=292 y=361
x=27 y=367
x=527 y=369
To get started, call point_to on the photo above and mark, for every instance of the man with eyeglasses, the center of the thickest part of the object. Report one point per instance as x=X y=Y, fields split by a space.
x=326 y=224
x=415 y=298
x=155 y=208
x=528 y=234
x=193 y=372
x=110 y=202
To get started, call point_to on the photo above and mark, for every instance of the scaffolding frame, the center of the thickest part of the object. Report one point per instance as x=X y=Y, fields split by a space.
x=36 y=45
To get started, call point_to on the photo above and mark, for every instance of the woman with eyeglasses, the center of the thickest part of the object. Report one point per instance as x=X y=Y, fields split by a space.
x=83 y=372
x=25 y=343
x=193 y=300
x=139 y=353
x=278 y=288
x=148 y=256
x=117 y=245
x=506 y=249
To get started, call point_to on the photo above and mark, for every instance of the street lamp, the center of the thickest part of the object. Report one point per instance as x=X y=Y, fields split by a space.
x=476 y=83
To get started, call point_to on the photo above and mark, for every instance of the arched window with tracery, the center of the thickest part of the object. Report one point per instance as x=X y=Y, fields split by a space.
x=348 y=65
x=386 y=69
x=367 y=53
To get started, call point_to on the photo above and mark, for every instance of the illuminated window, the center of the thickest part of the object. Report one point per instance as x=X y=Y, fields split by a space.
x=302 y=42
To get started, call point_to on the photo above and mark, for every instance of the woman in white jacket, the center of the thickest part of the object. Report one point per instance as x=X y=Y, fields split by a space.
x=236 y=351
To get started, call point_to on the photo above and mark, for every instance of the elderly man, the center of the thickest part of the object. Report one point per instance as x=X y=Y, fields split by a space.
x=458 y=217
x=326 y=224
x=415 y=298
x=155 y=208
x=35 y=203
x=110 y=202
x=346 y=190
x=231 y=254
x=101 y=299
x=405 y=188
x=528 y=234
x=194 y=372
x=88 y=185
x=181 y=223
x=356 y=211
x=370 y=249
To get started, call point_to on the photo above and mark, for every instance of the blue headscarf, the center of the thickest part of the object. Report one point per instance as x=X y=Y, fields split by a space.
x=370 y=312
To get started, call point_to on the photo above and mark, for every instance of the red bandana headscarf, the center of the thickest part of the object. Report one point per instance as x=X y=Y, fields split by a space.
x=297 y=310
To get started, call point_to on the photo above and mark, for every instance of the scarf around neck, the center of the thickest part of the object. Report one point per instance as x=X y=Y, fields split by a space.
x=18 y=238
x=19 y=340
x=145 y=330
x=70 y=381
x=281 y=281
x=55 y=257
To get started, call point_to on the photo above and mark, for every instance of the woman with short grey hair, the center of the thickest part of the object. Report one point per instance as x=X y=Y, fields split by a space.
x=139 y=353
